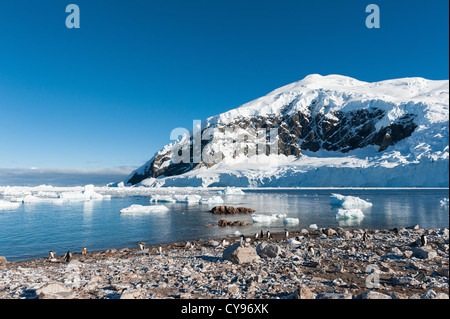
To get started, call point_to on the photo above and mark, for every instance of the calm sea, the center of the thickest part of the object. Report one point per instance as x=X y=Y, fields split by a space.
x=33 y=229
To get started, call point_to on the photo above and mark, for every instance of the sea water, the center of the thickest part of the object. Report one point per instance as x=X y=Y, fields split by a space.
x=35 y=228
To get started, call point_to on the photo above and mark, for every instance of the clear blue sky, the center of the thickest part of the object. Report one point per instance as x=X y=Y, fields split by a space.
x=109 y=94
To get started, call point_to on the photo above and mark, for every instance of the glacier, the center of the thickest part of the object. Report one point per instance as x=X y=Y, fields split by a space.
x=334 y=131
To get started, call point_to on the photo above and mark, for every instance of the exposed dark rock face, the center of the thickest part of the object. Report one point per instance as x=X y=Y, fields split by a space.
x=219 y=210
x=335 y=131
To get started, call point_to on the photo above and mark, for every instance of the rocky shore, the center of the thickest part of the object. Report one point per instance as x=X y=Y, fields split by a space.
x=308 y=264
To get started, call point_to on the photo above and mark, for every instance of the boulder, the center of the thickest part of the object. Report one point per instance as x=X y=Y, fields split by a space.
x=346 y=235
x=54 y=291
x=3 y=260
x=130 y=294
x=239 y=254
x=424 y=252
x=330 y=232
x=373 y=295
x=266 y=250
x=331 y=295
x=220 y=210
x=302 y=293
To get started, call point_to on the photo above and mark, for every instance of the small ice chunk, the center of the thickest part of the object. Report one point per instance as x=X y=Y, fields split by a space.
x=349 y=214
x=348 y=202
x=139 y=209
x=444 y=202
x=212 y=200
x=7 y=205
x=313 y=226
x=162 y=199
x=232 y=191
x=291 y=221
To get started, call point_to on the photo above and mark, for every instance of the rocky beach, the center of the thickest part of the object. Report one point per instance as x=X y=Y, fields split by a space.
x=326 y=263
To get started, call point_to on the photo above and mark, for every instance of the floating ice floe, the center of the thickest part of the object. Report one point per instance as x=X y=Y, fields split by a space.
x=29 y=199
x=88 y=194
x=291 y=221
x=349 y=214
x=444 y=202
x=259 y=218
x=139 y=209
x=7 y=205
x=189 y=199
x=212 y=200
x=348 y=202
x=232 y=191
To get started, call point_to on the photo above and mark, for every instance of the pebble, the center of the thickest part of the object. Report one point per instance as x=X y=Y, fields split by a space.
x=337 y=270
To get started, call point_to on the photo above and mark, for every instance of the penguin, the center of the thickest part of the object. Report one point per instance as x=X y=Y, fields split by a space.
x=141 y=246
x=241 y=241
x=68 y=257
x=84 y=251
x=286 y=233
x=396 y=230
x=269 y=236
x=160 y=250
x=262 y=234
x=311 y=250
x=256 y=236
x=51 y=255
x=423 y=240
x=365 y=238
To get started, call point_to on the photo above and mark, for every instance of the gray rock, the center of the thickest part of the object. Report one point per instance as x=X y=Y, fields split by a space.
x=54 y=291
x=431 y=294
x=424 y=252
x=331 y=295
x=373 y=295
x=3 y=260
x=239 y=254
x=346 y=235
x=403 y=281
x=266 y=250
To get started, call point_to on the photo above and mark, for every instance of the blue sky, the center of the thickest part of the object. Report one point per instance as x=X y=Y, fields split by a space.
x=107 y=95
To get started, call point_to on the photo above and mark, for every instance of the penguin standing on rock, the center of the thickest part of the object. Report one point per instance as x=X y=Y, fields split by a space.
x=262 y=234
x=84 y=251
x=286 y=233
x=423 y=240
x=269 y=236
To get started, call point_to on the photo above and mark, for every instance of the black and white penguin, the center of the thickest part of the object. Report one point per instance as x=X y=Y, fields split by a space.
x=365 y=237
x=286 y=233
x=256 y=236
x=68 y=257
x=160 y=250
x=396 y=230
x=269 y=236
x=423 y=240
x=51 y=255
x=262 y=234
x=84 y=251
x=141 y=246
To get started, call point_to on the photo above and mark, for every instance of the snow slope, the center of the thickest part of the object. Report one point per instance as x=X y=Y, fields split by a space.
x=335 y=131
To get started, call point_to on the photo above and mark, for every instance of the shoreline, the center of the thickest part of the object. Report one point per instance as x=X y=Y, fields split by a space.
x=197 y=269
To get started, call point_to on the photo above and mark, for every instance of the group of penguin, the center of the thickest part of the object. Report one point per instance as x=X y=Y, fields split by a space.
x=142 y=246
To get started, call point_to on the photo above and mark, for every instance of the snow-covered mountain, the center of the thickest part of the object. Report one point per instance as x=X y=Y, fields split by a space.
x=322 y=131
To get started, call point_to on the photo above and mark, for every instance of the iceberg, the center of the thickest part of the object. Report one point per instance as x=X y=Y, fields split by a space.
x=232 y=191
x=349 y=202
x=212 y=200
x=349 y=214
x=29 y=199
x=139 y=209
x=291 y=221
x=162 y=199
x=88 y=194
x=7 y=205
x=259 y=218
x=444 y=202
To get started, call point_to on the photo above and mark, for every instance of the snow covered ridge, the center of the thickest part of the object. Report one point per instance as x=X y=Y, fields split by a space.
x=332 y=131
